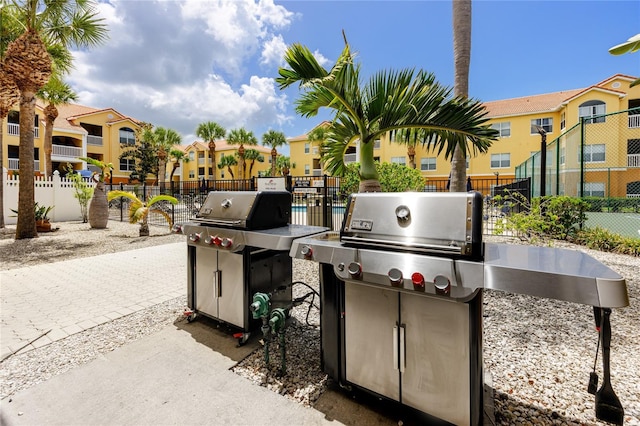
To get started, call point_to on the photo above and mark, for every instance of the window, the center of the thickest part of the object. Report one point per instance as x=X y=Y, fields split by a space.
x=593 y=189
x=563 y=121
x=593 y=153
x=127 y=165
x=307 y=169
x=200 y=171
x=500 y=161
x=545 y=123
x=127 y=136
x=315 y=150
x=593 y=109
x=192 y=155
x=306 y=148
x=504 y=129
x=562 y=155
x=428 y=163
x=192 y=174
x=376 y=144
x=399 y=160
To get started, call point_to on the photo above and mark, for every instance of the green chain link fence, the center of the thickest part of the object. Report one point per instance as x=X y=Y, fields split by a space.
x=597 y=160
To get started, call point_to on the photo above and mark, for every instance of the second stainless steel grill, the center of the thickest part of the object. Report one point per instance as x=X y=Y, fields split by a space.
x=401 y=294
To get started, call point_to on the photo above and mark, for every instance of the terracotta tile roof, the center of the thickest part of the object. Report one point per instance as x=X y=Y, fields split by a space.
x=70 y=112
x=529 y=104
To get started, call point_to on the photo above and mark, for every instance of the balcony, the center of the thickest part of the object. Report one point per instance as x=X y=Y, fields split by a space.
x=317 y=172
x=13 y=129
x=94 y=140
x=14 y=164
x=634 y=121
x=66 y=151
x=633 y=160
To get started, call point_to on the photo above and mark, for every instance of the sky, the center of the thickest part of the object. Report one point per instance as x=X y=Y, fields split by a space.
x=177 y=64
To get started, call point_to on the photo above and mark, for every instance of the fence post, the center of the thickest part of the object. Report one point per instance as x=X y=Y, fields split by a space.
x=582 y=125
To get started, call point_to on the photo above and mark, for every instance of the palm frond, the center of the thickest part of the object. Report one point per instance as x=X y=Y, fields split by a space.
x=166 y=216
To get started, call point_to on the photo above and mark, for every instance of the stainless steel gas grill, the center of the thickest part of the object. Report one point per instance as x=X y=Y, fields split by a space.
x=402 y=302
x=238 y=244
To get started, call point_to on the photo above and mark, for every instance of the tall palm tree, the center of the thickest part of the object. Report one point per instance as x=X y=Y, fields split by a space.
x=55 y=92
x=176 y=157
x=228 y=161
x=241 y=137
x=9 y=95
x=461 y=58
x=253 y=155
x=163 y=140
x=274 y=139
x=59 y=24
x=388 y=101
x=209 y=131
x=284 y=165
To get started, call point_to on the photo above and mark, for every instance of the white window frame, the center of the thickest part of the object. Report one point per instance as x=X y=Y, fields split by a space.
x=399 y=160
x=501 y=158
x=428 y=163
x=589 y=111
x=307 y=148
x=593 y=189
x=307 y=169
x=563 y=120
x=192 y=174
x=546 y=123
x=503 y=128
x=128 y=135
x=130 y=165
x=590 y=150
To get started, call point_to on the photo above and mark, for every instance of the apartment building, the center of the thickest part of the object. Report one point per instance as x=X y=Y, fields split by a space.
x=199 y=163
x=78 y=131
x=520 y=122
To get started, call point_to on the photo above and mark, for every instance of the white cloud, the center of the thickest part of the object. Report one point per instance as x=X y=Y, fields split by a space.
x=273 y=51
x=177 y=64
x=321 y=59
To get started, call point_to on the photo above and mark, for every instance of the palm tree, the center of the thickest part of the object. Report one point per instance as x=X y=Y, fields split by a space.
x=9 y=95
x=284 y=165
x=176 y=157
x=461 y=58
x=99 y=206
x=139 y=210
x=27 y=62
x=163 y=140
x=274 y=139
x=55 y=92
x=228 y=161
x=253 y=155
x=210 y=131
x=388 y=101
x=241 y=137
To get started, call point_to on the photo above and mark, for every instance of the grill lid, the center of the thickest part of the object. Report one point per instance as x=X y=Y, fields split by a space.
x=439 y=223
x=246 y=209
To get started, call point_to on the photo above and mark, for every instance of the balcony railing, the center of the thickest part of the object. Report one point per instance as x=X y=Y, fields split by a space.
x=13 y=129
x=66 y=151
x=633 y=160
x=634 y=121
x=14 y=164
x=94 y=140
x=317 y=172
x=350 y=158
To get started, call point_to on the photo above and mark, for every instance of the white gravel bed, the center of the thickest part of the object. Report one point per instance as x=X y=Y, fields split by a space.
x=539 y=352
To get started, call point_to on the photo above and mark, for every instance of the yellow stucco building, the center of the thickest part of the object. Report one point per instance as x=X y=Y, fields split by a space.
x=611 y=145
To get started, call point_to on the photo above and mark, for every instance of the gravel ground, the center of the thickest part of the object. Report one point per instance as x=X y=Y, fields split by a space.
x=539 y=352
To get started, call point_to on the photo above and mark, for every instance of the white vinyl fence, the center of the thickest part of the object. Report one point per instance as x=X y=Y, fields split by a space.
x=55 y=191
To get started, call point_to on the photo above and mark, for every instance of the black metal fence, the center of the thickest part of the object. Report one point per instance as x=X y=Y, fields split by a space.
x=317 y=200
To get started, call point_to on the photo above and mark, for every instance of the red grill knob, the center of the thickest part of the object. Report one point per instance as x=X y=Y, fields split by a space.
x=194 y=237
x=418 y=281
x=226 y=242
x=217 y=240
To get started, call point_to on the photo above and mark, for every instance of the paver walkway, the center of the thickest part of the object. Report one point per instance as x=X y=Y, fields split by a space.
x=71 y=296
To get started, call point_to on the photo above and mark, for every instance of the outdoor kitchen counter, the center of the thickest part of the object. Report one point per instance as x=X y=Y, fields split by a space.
x=553 y=273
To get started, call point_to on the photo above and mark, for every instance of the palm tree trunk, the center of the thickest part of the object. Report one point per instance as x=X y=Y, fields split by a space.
x=241 y=162
x=274 y=157
x=462 y=58
x=26 y=226
x=1 y=176
x=368 y=174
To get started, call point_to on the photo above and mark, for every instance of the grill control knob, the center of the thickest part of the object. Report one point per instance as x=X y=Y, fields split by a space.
x=177 y=229
x=355 y=269
x=418 y=281
x=217 y=240
x=395 y=276
x=226 y=203
x=209 y=240
x=306 y=251
x=226 y=242
x=442 y=283
x=195 y=237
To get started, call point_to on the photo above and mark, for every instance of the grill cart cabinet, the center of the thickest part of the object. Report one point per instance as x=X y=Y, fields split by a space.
x=421 y=351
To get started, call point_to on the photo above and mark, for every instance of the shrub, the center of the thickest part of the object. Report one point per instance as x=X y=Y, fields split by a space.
x=393 y=178
x=601 y=239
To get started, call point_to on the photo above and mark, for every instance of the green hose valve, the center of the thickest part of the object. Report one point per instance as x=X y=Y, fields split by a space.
x=277 y=320
x=260 y=306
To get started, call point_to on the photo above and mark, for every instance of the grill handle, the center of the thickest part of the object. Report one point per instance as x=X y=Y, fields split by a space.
x=217 y=276
x=402 y=348
x=395 y=347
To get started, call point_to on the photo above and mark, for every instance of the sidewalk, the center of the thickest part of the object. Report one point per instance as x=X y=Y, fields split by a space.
x=67 y=297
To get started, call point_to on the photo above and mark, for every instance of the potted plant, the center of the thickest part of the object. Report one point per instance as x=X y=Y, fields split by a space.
x=42 y=217
x=99 y=206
